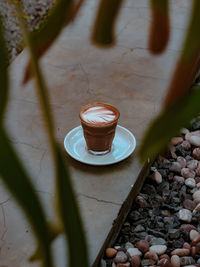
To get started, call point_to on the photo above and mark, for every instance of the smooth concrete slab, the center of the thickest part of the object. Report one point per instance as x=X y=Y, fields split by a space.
x=77 y=73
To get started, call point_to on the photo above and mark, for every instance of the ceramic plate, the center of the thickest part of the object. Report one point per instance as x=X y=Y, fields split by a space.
x=124 y=144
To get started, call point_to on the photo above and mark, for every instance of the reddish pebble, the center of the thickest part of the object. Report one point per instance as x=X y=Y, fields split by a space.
x=186 y=145
x=135 y=261
x=187 y=173
x=196 y=153
x=176 y=140
x=188 y=227
x=195 y=241
x=151 y=255
x=120 y=257
x=126 y=264
x=143 y=245
x=193 y=251
x=186 y=245
x=197 y=179
x=164 y=263
x=198 y=185
x=198 y=172
x=189 y=204
x=141 y=202
x=110 y=252
x=181 y=161
x=181 y=252
x=164 y=256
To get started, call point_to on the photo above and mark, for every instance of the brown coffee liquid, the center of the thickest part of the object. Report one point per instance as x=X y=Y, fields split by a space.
x=99 y=122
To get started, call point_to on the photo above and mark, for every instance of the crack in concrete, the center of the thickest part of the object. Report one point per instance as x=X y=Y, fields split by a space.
x=16 y=142
x=101 y=200
x=4 y=222
x=43 y=154
x=87 y=79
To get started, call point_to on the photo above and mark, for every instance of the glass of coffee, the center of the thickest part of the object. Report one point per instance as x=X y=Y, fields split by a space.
x=99 y=122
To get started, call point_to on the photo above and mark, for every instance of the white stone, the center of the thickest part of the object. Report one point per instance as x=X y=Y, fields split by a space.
x=196 y=194
x=193 y=234
x=190 y=182
x=175 y=261
x=194 y=140
x=128 y=245
x=134 y=252
x=185 y=215
x=158 y=249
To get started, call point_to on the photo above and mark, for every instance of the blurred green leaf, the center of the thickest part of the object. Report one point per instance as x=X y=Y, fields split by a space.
x=103 y=32
x=192 y=42
x=188 y=64
x=13 y=174
x=169 y=122
x=70 y=214
x=68 y=206
x=18 y=183
x=160 y=26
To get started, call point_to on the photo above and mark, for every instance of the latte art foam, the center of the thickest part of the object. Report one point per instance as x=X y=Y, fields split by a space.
x=98 y=114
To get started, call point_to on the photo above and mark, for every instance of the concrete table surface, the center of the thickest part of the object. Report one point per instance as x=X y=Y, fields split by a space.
x=77 y=73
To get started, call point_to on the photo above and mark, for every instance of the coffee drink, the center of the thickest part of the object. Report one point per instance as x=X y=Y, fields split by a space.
x=99 y=122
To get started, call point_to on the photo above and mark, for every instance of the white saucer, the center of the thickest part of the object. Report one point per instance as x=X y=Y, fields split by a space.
x=124 y=144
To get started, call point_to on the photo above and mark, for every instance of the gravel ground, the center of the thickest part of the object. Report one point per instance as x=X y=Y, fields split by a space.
x=163 y=226
x=35 y=11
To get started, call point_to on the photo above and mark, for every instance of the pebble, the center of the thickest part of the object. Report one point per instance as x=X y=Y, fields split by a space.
x=197 y=200
x=159 y=249
x=141 y=202
x=181 y=252
x=110 y=252
x=139 y=228
x=197 y=179
x=190 y=182
x=151 y=255
x=143 y=245
x=157 y=241
x=195 y=241
x=186 y=261
x=182 y=161
x=134 y=252
x=179 y=179
x=194 y=140
x=176 y=140
x=185 y=215
x=128 y=245
x=188 y=227
x=187 y=173
x=198 y=172
x=198 y=185
x=186 y=245
x=196 y=153
x=175 y=261
x=196 y=194
x=135 y=261
x=197 y=209
x=170 y=175
x=186 y=145
x=127 y=264
x=184 y=131
x=193 y=234
x=193 y=251
x=147 y=262
x=175 y=167
x=192 y=164
x=164 y=263
x=164 y=256
x=189 y=204
x=120 y=257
